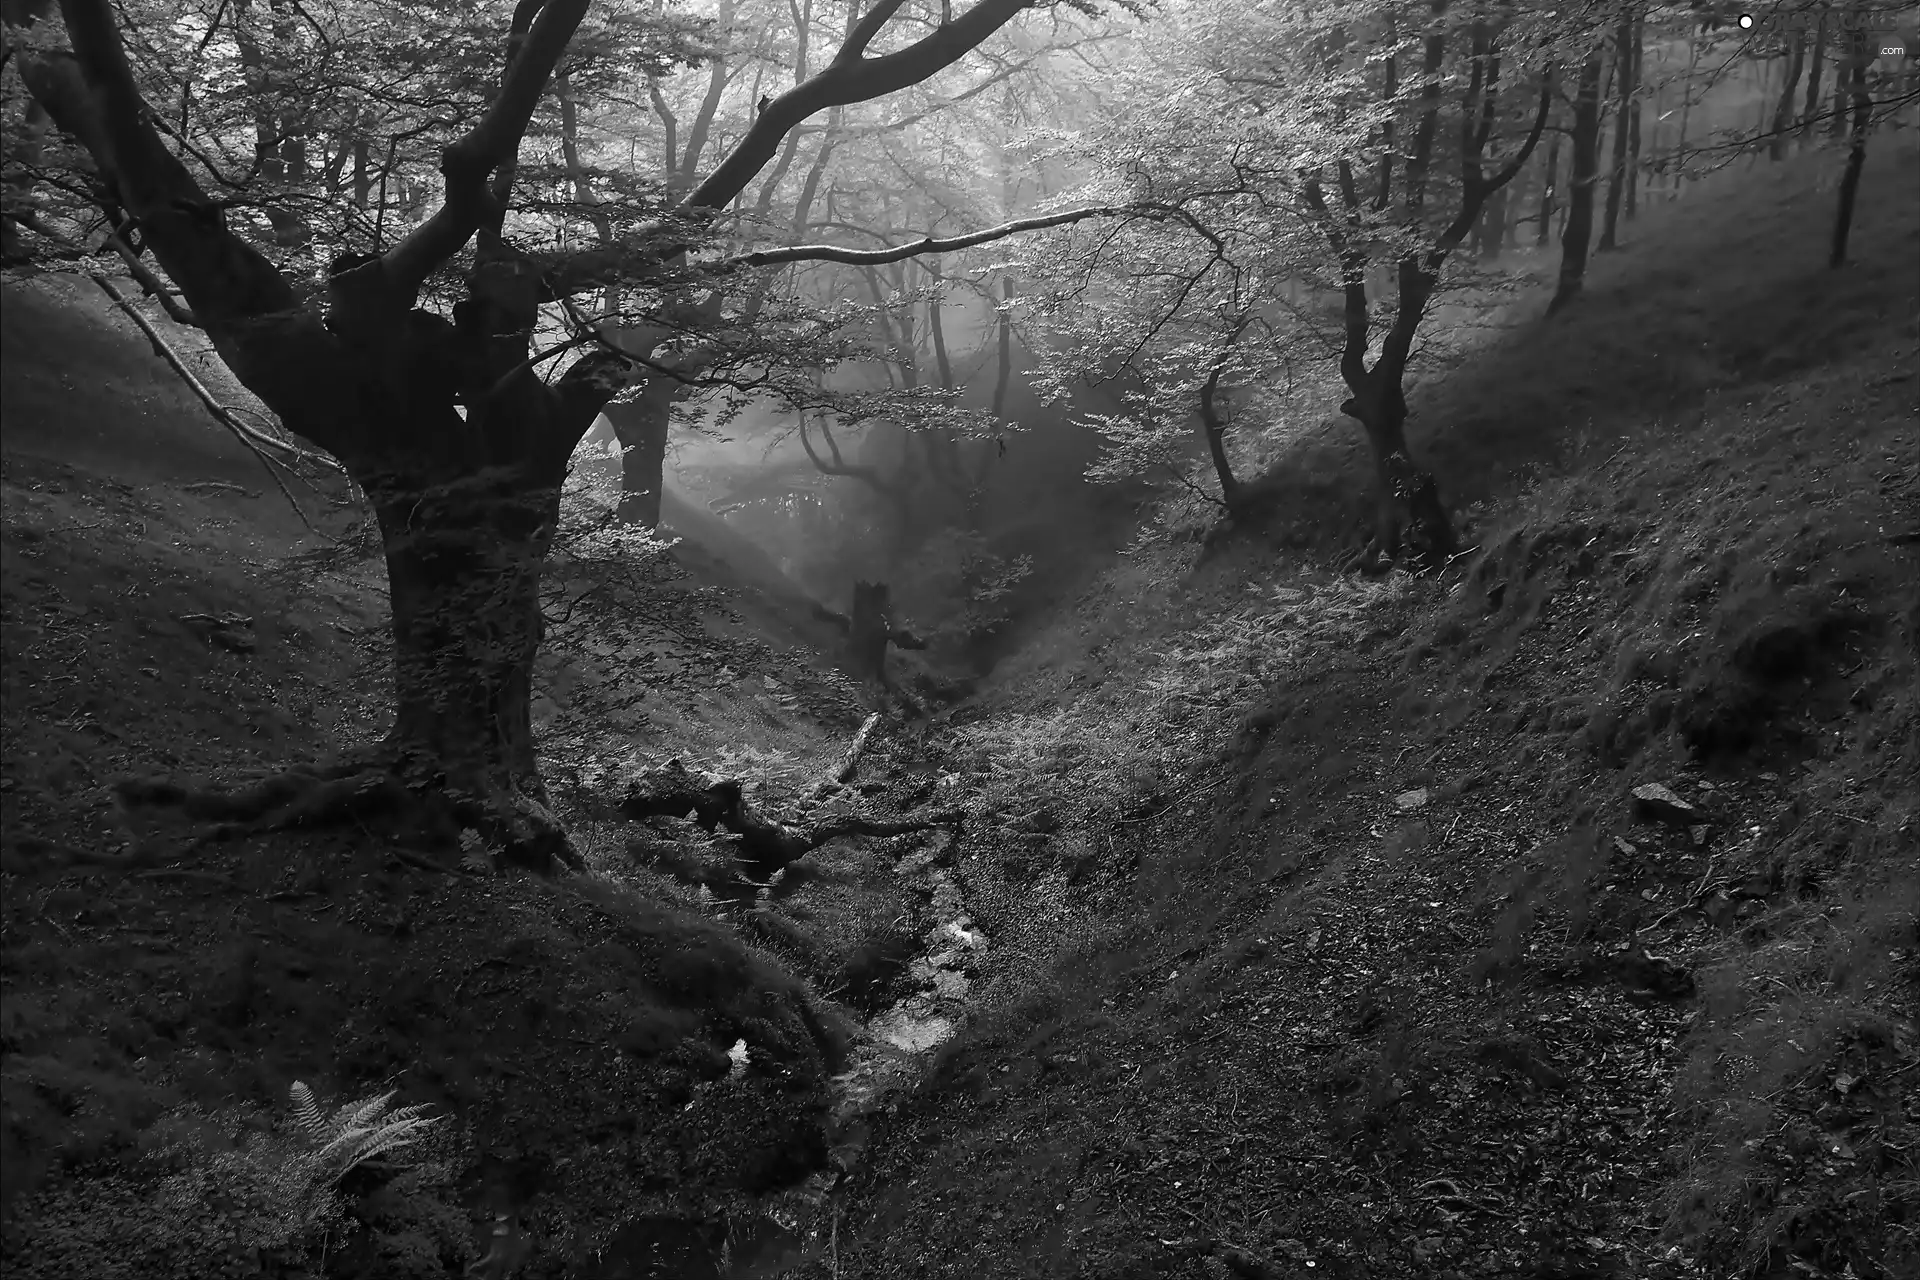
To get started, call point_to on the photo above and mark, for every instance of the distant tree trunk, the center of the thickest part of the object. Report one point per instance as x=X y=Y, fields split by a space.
x=1545 y=230
x=1214 y=428
x=1617 y=179
x=642 y=425
x=1633 y=120
x=362 y=172
x=1003 y=376
x=1586 y=155
x=1686 y=113
x=275 y=140
x=1855 y=77
x=1811 y=107
x=1783 y=113
x=1493 y=225
x=869 y=629
x=1837 y=123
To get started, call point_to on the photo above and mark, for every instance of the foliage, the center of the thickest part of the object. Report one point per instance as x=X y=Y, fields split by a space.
x=959 y=590
x=1233 y=126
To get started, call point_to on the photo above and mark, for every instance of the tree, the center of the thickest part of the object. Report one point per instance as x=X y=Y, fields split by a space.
x=1853 y=75
x=1586 y=171
x=444 y=420
x=1300 y=147
x=1626 y=58
x=1783 y=112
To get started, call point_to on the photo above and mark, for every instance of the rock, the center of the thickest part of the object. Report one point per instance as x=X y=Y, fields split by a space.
x=1699 y=834
x=1653 y=802
x=1625 y=846
x=1408 y=801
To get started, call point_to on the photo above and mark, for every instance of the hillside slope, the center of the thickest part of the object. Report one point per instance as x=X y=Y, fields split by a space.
x=166 y=613
x=1408 y=975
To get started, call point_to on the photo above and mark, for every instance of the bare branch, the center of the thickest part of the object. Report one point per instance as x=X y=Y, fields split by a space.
x=851 y=77
x=492 y=142
x=916 y=248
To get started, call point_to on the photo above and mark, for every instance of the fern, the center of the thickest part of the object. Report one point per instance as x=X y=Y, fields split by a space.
x=358 y=1131
x=306 y=1111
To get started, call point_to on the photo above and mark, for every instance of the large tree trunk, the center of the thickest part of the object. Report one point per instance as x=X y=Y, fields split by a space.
x=1586 y=156
x=464 y=560
x=1493 y=225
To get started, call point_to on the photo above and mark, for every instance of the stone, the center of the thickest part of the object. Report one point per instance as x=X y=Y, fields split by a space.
x=1408 y=801
x=1653 y=802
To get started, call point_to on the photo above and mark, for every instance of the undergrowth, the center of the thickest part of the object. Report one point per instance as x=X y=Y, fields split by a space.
x=1179 y=698
x=239 y=1192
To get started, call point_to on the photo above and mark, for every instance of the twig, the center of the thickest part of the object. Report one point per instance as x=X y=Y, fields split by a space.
x=413 y=859
x=245 y=434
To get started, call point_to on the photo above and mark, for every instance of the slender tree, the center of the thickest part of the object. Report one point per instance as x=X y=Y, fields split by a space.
x=1815 y=62
x=1586 y=156
x=1635 y=111
x=1853 y=75
x=1783 y=112
x=1623 y=61
x=1549 y=173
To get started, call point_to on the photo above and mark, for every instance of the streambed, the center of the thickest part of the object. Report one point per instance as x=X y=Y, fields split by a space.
x=797 y=1225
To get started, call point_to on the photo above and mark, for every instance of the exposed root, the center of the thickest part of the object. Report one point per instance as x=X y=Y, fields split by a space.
x=523 y=828
x=350 y=792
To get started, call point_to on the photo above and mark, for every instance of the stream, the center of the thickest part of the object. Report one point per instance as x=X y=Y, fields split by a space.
x=797 y=1225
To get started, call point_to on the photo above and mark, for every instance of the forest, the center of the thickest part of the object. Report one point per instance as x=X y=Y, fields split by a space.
x=1088 y=638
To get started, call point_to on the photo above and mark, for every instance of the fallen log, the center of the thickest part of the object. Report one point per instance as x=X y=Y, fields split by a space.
x=850 y=762
x=766 y=844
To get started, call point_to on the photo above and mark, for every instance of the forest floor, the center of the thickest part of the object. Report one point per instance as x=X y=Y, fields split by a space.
x=1367 y=962
x=1327 y=936
x=168 y=613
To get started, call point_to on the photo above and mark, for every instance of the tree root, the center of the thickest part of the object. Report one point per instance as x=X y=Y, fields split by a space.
x=767 y=845
x=350 y=792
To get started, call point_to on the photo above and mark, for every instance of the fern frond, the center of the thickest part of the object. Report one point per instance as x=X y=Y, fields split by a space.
x=307 y=1112
x=388 y=1138
x=360 y=1115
